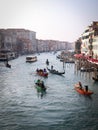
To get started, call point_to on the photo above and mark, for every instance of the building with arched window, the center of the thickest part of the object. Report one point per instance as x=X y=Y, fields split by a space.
x=89 y=40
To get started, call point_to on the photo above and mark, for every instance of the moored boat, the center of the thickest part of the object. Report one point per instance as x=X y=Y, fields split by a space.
x=82 y=90
x=83 y=69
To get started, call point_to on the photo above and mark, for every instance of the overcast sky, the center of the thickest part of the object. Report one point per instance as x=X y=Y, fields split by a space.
x=63 y=20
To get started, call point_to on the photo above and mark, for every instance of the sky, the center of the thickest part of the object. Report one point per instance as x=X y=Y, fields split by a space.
x=63 y=20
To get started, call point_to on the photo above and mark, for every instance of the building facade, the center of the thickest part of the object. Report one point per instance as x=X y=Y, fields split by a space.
x=89 y=40
x=19 y=40
x=52 y=45
x=24 y=42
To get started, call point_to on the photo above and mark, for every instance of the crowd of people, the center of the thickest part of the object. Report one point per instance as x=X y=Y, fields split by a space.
x=42 y=72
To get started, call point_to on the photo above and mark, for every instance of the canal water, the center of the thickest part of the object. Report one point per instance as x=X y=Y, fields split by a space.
x=61 y=108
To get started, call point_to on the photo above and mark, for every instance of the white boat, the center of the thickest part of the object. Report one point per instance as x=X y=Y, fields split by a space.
x=31 y=59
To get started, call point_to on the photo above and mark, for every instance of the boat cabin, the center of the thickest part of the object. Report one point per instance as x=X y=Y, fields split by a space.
x=31 y=59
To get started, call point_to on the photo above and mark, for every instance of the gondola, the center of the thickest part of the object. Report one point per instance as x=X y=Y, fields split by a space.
x=55 y=71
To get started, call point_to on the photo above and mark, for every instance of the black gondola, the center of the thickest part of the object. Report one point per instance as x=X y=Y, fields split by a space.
x=55 y=72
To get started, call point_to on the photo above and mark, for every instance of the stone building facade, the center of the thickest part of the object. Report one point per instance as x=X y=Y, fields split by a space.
x=19 y=40
x=52 y=45
x=89 y=40
x=24 y=41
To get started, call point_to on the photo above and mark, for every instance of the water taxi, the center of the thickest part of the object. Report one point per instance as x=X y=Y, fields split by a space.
x=31 y=59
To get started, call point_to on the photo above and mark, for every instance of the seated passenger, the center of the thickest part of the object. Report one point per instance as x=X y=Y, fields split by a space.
x=86 y=88
x=38 y=82
x=47 y=62
x=37 y=70
x=44 y=70
x=80 y=85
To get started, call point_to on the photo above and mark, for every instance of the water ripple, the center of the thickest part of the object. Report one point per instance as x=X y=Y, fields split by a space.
x=22 y=108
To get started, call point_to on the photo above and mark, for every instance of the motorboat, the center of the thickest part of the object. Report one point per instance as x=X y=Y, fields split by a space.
x=31 y=59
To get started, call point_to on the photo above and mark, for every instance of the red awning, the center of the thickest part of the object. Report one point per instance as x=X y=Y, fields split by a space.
x=81 y=56
x=94 y=61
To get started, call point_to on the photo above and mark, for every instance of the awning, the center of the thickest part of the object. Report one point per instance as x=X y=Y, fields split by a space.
x=80 y=56
x=92 y=60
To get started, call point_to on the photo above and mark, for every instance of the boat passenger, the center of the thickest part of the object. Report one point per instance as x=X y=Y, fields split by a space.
x=80 y=85
x=86 y=88
x=51 y=67
x=43 y=86
x=37 y=70
x=38 y=82
x=47 y=62
x=44 y=70
x=8 y=65
x=40 y=71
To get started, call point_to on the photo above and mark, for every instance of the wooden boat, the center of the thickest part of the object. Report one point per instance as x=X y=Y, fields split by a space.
x=8 y=65
x=83 y=69
x=42 y=73
x=2 y=59
x=82 y=91
x=59 y=56
x=7 y=55
x=31 y=59
x=67 y=60
x=70 y=61
x=55 y=72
